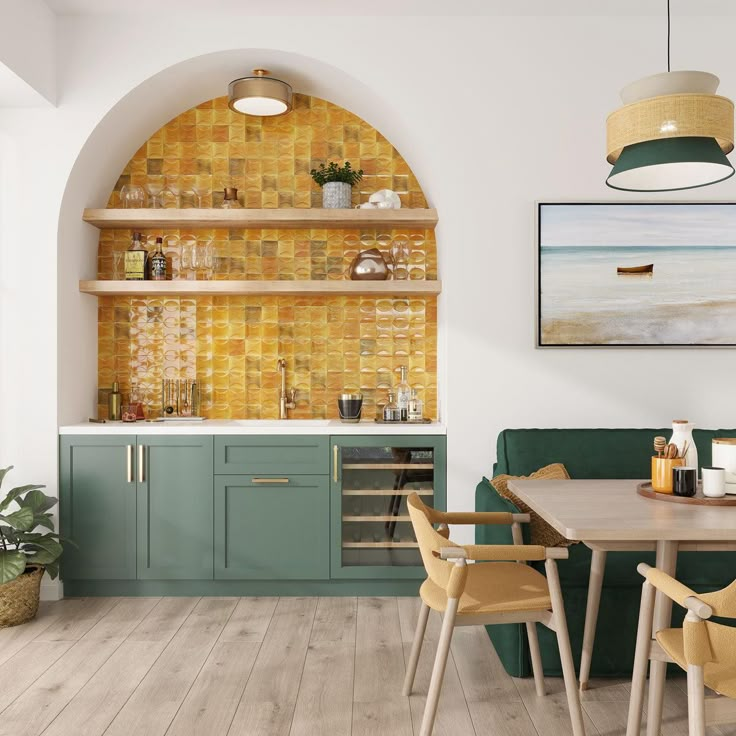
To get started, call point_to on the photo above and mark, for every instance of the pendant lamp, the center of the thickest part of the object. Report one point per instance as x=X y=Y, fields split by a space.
x=672 y=133
x=259 y=95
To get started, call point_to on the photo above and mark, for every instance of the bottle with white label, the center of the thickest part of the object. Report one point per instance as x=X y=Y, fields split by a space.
x=416 y=407
x=403 y=393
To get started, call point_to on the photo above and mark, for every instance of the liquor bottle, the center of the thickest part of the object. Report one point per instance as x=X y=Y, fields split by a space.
x=403 y=394
x=158 y=262
x=230 y=200
x=135 y=260
x=416 y=407
x=391 y=412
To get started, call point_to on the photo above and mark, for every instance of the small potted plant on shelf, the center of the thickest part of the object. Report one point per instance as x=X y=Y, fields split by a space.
x=337 y=183
x=24 y=552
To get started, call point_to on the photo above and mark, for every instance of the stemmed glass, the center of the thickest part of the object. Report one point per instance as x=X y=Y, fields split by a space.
x=189 y=260
x=400 y=258
x=169 y=195
x=132 y=196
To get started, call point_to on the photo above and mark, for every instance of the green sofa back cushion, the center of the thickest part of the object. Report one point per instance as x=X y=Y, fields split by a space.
x=590 y=453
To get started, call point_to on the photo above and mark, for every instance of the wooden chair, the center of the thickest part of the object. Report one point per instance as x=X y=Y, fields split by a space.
x=704 y=649
x=499 y=592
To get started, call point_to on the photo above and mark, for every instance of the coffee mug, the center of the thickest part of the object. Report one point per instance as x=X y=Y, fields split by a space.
x=684 y=481
x=714 y=482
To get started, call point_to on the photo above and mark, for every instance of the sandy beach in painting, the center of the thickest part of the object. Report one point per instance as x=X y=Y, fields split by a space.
x=689 y=299
x=714 y=323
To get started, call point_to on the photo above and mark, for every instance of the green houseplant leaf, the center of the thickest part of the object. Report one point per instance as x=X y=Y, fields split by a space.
x=13 y=494
x=21 y=520
x=37 y=501
x=42 y=551
x=12 y=564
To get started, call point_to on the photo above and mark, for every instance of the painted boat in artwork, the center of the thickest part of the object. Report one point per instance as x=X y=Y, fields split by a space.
x=649 y=268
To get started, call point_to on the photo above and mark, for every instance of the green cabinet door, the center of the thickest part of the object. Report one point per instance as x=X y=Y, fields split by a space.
x=175 y=506
x=97 y=507
x=272 y=527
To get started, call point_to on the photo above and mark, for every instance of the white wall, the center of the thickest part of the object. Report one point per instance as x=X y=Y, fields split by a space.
x=492 y=114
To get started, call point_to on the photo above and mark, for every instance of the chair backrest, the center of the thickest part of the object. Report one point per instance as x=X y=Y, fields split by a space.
x=430 y=541
x=723 y=602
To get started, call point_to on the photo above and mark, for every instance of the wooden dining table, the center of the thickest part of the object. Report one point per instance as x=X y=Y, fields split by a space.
x=609 y=516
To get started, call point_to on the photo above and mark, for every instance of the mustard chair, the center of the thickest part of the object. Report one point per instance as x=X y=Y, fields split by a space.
x=499 y=592
x=704 y=649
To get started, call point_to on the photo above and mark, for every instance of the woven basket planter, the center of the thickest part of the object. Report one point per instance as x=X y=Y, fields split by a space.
x=19 y=598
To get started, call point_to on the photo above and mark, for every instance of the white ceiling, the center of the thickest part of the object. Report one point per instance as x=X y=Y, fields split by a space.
x=395 y=7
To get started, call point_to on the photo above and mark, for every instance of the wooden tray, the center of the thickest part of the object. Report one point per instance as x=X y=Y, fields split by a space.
x=646 y=490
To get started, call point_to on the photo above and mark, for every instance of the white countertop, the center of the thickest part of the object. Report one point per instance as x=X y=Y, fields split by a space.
x=253 y=426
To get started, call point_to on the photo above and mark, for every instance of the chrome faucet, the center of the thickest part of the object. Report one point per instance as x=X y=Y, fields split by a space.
x=286 y=400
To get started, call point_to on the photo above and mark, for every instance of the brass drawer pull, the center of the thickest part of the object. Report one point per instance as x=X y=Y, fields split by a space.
x=129 y=463
x=269 y=480
x=141 y=464
x=334 y=463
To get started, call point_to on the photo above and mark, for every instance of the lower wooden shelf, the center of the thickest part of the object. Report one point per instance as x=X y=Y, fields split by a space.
x=267 y=288
x=388 y=466
x=380 y=545
x=369 y=517
x=386 y=492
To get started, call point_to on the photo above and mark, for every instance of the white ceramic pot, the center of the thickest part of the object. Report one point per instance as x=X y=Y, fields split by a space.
x=724 y=456
x=337 y=195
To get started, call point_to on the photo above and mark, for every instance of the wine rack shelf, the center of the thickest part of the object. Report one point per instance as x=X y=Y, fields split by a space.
x=369 y=518
x=388 y=466
x=386 y=492
x=380 y=545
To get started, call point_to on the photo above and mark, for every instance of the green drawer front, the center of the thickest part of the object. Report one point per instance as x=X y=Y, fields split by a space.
x=275 y=455
x=272 y=530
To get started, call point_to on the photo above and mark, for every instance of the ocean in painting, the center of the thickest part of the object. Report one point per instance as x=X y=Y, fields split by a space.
x=690 y=298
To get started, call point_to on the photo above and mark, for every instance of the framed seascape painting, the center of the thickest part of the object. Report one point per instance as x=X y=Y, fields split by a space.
x=626 y=274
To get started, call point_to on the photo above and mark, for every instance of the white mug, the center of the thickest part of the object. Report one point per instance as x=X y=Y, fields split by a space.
x=383 y=205
x=714 y=482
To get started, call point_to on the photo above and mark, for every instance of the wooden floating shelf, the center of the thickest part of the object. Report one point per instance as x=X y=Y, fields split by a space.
x=267 y=288
x=386 y=492
x=368 y=517
x=259 y=218
x=388 y=466
x=380 y=545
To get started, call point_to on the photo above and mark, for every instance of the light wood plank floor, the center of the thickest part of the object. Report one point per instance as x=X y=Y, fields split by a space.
x=273 y=667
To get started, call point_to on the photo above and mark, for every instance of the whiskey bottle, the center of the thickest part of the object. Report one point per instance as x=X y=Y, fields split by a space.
x=416 y=407
x=158 y=262
x=135 y=260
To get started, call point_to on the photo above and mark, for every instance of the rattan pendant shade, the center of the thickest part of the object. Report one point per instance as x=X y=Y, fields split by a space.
x=673 y=133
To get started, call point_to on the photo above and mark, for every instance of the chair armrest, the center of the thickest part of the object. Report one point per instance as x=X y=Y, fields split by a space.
x=675 y=590
x=502 y=552
x=476 y=517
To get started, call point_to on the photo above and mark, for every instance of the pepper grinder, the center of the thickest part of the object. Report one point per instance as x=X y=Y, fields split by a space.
x=115 y=403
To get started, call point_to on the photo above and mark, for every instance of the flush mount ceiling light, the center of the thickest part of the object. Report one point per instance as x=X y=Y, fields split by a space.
x=673 y=132
x=259 y=95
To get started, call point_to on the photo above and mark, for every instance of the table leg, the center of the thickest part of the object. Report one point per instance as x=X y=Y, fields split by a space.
x=595 y=583
x=667 y=562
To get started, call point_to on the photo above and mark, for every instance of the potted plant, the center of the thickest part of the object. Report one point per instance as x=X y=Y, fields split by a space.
x=24 y=552
x=337 y=183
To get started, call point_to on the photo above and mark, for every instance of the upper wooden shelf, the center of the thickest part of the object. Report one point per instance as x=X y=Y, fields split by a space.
x=266 y=288
x=259 y=218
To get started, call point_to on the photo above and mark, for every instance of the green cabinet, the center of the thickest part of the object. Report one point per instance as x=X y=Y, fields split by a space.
x=372 y=535
x=175 y=507
x=275 y=454
x=97 y=508
x=272 y=527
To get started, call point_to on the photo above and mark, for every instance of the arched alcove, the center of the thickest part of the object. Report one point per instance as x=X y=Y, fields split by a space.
x=135 y=119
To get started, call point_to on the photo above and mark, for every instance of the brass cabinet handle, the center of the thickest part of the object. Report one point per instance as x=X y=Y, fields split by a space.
x=269 y=480
x=129 y=463
x=334 y=463
x=141 y=464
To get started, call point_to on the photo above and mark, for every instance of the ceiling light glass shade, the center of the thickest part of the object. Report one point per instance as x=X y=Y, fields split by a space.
x=259 y=95
x=670 y=164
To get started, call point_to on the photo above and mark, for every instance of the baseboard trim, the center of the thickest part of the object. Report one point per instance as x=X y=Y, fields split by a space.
x=90 y=588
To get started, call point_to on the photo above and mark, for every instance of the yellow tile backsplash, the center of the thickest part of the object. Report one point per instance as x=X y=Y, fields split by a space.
x=231 y=344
